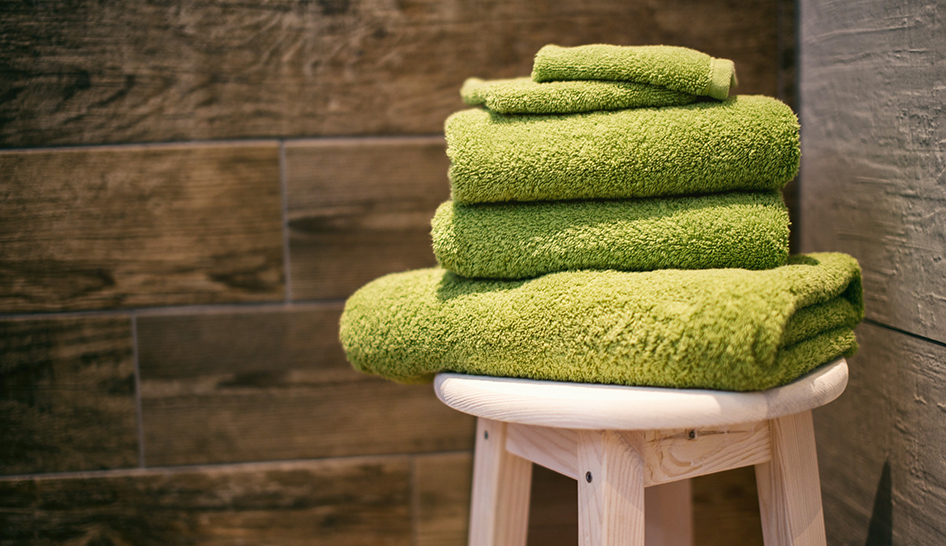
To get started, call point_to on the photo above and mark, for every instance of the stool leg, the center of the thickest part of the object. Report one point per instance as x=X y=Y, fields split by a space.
x=668 y=513
x=499 y=511
x=610 y=488
x=789 y=488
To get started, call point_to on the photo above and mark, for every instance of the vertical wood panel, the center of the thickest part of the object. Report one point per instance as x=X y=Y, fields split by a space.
x=85 y=72
x=67 y=395
x=267 y=384
x=355 y=502
x=726 y=509
x=882 y=444
x=359 y=209
x=140 y=226
x=873 y=160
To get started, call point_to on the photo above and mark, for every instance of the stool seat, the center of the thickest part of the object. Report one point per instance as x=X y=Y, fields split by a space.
x=613 y=407
x=628 y=447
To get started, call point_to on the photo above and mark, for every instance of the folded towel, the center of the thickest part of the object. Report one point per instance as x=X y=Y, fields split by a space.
x=675 y=68
x=524 y=96
x=521 y=240
x=742 y=143
x=731 y=329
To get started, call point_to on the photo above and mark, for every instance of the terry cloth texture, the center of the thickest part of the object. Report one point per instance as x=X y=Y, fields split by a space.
x=521 y=240
x=743 y=143
x=730 y=329
x=524 y=96
x=675 y=68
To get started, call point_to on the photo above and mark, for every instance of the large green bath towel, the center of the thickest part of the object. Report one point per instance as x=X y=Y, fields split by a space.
x=731 y=329
x=524 y=96
x=676 y=68
x=742 y=143
x=521 y=240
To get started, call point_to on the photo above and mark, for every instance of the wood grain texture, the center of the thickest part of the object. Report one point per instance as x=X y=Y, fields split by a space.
x=272 y=383
x=67 y=395
x=359 y=209
x=442 y=486
x=789 y=485
x=668 y=514
x=499 y=507
x=726 y=509
x=354 y=502
x=873 y=161
x=610 y=488
x=86 y=72
x=882 y=446
x=140 y=226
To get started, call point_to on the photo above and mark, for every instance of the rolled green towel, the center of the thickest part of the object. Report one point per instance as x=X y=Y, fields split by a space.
x=730 y=329
x=521 y=240
x=743 y=143
x=676 y=68
x=524 y=96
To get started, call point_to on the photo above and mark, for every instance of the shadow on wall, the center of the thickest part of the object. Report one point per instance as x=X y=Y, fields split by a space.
x=880 y=528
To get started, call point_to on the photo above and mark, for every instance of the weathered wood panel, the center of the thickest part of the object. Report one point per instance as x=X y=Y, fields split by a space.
x=67 y=395
x=442 y=485
x=354 y=502
x=882 y=444
x=140 y=226
x=88 y=72
x=359 y=209
x=265 y=384
x=873 y=161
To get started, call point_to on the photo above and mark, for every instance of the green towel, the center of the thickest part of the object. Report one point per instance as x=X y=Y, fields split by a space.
x=743 y=143
x=521 y=240
x=675 y=68
x=731 y=329
x=524 y=96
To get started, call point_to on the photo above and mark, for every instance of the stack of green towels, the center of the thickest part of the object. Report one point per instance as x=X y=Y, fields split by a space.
x=616 y=218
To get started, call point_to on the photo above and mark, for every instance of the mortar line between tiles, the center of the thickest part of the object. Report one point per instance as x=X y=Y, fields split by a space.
x=138 y=416
x=284 y=190
x=234 y=465
x=905 y=332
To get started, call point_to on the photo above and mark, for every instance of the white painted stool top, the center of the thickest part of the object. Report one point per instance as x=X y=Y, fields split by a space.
x=614 y=407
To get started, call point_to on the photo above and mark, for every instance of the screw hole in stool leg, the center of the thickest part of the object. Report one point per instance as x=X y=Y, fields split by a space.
x=588 y=477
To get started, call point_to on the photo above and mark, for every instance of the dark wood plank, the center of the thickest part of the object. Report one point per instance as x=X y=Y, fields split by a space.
x=140 y=226
x=726 y=509
x=553 y=510
x=67 y=395
x=84 y=72
x=442 y=485
x=267 y=384
x=881 y=445
x=872 y=154
x=354 y=502
x=359 y=209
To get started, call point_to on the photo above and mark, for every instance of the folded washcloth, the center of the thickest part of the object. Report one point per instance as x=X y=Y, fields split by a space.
x=521 y=240
x=524 y=96
x=731 y=329
x=676 y=68
x=743 y=143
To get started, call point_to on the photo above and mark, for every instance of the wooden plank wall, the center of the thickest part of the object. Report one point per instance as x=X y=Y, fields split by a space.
x=873 y=160
x=189 y=193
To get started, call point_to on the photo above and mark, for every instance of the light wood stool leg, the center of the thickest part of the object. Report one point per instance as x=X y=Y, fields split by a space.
x=499 y=512
x=668 y=511
x=789 y=487
x=610 y=488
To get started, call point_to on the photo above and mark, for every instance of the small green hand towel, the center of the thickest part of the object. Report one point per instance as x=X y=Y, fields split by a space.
x=521 y=240
x=524 y=96
x=730 y=329
x=676 y=68
x=742 y=143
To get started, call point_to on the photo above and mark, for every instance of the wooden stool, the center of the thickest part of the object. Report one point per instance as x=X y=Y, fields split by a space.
x=617 y=440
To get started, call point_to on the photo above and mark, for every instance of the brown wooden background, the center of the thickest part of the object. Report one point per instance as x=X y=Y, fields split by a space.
x=189 y=192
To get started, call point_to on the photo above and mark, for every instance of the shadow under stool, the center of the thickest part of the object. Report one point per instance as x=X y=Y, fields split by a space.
x=616 y=441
